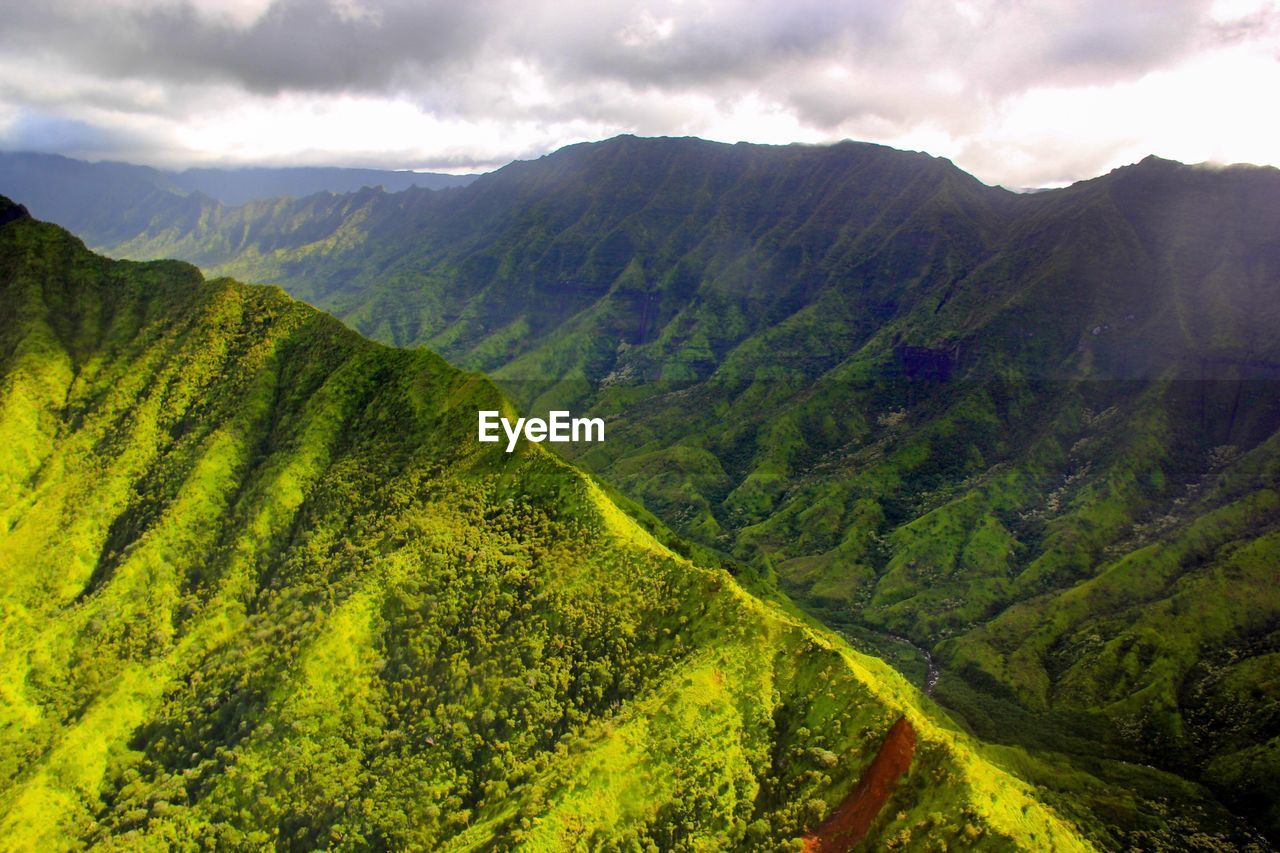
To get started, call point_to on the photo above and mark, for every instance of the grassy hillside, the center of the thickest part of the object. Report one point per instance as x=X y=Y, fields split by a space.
x=259 y=586
x=1033 y=436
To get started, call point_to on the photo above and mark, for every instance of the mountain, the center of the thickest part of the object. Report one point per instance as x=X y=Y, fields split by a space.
x=243 y=185
x=123 y=198
x=260 y=586
x=1022 y=445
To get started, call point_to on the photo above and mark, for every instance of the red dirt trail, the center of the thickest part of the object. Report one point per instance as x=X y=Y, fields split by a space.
x=849 y=823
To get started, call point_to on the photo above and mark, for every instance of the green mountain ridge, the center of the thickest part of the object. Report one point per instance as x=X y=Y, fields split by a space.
x=1034 y=434
x=259 y=587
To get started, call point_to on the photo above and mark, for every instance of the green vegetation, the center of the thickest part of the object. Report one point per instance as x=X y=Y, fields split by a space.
x=259 y=587
x=1034 y=436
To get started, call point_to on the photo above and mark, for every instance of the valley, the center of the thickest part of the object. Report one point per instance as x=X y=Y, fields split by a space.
x=1025 y=447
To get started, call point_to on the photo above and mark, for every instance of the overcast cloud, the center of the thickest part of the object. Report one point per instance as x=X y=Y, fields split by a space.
x=1021 y=93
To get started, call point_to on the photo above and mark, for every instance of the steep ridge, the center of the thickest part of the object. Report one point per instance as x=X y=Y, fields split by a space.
x=260 y=587
x=1034 y=435
x=543 y=269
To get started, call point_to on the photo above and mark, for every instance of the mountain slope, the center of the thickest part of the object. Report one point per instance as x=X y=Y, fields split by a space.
x=260 y=587
x=546 y=268
x=954 y=422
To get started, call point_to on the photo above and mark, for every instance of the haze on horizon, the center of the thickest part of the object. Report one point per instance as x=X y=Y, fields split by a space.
x=1020 y=94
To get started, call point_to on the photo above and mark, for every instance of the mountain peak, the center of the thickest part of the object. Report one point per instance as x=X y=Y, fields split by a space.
x=11 y=210
x=1149 y=165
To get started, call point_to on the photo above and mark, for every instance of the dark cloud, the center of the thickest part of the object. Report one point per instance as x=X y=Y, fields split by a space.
x=391 y=46
x=298 y=45
x=889 y=65
x=678 y=46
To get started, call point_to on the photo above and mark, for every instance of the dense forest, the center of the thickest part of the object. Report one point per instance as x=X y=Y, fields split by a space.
x=259 y=587
x=1025 y=446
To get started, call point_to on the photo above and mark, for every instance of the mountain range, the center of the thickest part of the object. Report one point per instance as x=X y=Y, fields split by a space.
x=260 y=589
x=58 y=186
x=1023 y=446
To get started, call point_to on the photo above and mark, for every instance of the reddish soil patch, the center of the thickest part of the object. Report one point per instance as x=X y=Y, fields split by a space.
x=849 y=823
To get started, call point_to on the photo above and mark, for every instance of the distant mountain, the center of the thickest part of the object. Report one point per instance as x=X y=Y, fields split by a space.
x=261 y=587
x=1030 y=439
x=240 y=186
x=54 y=186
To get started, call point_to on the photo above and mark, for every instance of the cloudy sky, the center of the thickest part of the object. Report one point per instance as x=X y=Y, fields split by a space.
x=1019 y=92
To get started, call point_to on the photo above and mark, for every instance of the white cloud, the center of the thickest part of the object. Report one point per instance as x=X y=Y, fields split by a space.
x=1213 y=107
x=1025 y=93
